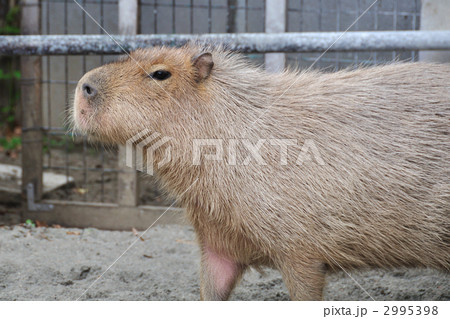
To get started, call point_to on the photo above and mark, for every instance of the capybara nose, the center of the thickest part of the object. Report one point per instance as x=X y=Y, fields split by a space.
x=89 y=91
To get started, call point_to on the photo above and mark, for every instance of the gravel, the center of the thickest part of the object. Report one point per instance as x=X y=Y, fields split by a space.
x=47 y=263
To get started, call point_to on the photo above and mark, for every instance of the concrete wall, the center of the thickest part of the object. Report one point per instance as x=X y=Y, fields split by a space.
x=435 y=16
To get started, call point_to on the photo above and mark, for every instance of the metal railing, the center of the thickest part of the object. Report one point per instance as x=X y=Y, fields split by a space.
x=242 y=42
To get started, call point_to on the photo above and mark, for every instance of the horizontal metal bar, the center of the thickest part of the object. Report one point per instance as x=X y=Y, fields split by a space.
x=243 y=42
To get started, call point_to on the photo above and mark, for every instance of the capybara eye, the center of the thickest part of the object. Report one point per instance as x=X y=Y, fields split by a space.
x=160 y=75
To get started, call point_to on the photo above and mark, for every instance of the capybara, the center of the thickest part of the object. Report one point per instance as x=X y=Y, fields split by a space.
x=304 y=171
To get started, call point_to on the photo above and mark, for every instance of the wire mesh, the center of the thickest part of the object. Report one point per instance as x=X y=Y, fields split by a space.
x=339 y=15
x=93 y=168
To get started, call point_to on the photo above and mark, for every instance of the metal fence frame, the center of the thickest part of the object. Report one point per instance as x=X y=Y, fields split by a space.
x=127 y=213
x=292 y=42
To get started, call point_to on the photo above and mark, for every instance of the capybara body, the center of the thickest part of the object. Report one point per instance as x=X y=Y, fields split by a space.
x=313 y=171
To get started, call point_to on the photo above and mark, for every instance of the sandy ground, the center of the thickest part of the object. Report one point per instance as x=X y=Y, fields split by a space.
x=60 y=264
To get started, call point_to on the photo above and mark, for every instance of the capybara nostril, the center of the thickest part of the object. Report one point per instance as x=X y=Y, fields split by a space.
x=88 y=90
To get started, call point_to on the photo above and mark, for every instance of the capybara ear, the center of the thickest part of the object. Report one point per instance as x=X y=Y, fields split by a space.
x=203 y=64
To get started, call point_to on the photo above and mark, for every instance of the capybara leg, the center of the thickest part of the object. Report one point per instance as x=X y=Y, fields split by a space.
x=305 y=280
x=219 y=275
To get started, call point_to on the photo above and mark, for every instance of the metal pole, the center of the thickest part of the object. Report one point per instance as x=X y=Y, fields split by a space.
x=275 y=23
x=243 y=42
x=128 y=184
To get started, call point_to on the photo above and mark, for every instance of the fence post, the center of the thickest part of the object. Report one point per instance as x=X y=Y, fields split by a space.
x=435 y=16
x=30 y=85
x=275 y=22
x=128 y=185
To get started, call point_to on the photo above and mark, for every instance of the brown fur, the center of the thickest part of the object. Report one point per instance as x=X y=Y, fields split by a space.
x=382 y=199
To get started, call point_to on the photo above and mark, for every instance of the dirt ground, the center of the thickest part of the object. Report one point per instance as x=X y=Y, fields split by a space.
x=60 y=264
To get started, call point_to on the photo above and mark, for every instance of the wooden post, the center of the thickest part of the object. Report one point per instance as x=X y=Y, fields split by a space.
x=435 y=16
x=128 y=184
x=32 y=135
x=275 y=22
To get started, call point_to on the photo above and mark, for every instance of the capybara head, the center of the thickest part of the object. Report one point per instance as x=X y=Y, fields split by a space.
x=119 y=99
